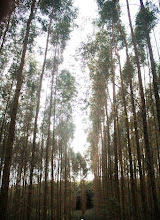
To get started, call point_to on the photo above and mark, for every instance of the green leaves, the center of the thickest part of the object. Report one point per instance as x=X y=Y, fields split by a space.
x=147 y=15
x=66 y=86
x=82 y=165
x=128 y=69
x=108 y=11
x=61 y=31
x=46 y=5
x=32 y=36
x=96 y=53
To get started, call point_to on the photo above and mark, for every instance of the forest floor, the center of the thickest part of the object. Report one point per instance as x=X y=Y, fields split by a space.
x=89 y=215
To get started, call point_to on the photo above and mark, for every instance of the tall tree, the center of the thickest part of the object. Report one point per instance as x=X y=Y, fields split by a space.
x=143 y=22
x=143 y=112
x=9 y=145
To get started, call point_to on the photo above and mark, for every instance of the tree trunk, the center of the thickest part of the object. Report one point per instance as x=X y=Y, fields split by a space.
x=117 y=198
x=65 y=183
x=47 y=147
x=109 y=156
x=29 y=211
x=104 y=164
x=142 y=181
x=5 y=112
x=60 y=185
x=153 y=66
x=52 y=182
x=3 y=131
x=57 y=198
x=9 y=145
x=52 y=157
x=133 y=182
x=123 y=212
x=7 y=27
x=143 y=112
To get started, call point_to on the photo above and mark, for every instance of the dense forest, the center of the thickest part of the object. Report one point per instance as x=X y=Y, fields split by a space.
x=41 y=175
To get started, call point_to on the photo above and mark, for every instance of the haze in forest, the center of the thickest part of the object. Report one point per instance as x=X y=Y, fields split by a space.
x=80 y=110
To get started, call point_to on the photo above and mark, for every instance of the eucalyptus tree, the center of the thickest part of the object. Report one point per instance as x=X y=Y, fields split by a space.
x=107 y=9
x=59 y=13
x=146 y=20
x=66 y=91
x=21 y=150
x=6 y=97
x=16 y=14
x=51 y=9
x=11 y=131
x=53 y=152
x=128 y=70
x=82 y=166
x=48 y=141
x=26 y=108
x=97 y=54
x=145 y=125
x=95 y=60
x=5 y=8
x=6 y=28
x=65 y=130
x=11 y=54
x=59 y=36
x=108 y=15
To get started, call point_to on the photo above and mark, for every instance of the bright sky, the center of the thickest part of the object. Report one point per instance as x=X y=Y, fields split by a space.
x=87 y=12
